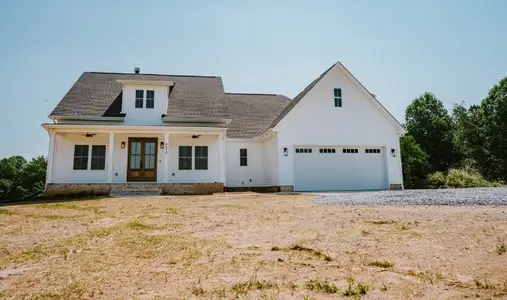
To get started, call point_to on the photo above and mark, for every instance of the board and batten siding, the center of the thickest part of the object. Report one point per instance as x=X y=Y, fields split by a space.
x=271 y=161
x=316 y=121
x=250 y=175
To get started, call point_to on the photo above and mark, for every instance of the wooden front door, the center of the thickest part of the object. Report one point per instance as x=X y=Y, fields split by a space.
x=142 y=159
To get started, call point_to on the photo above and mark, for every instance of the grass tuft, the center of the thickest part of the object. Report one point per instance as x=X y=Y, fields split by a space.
x=432 y=277
x=381 y=264
x=57 y=206
x=323 y=286
x=4 y=211
x=313 y=252
x=501 y=249
x=136 y=225
x=480 y=284
x=251 y=285
x=171 y=210
x=381 y=222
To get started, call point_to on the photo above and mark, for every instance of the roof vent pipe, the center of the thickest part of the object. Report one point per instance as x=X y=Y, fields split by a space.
x=137 y=70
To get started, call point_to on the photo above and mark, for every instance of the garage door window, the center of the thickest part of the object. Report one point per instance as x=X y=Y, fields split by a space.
x=350 y=151
x=327 y=150
x=303 y=150
x=372 y=151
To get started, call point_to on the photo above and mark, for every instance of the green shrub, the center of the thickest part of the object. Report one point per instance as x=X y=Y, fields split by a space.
x=436 y=180
x=466 y=177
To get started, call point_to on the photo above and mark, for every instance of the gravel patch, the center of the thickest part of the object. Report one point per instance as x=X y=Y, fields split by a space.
x=476 y=196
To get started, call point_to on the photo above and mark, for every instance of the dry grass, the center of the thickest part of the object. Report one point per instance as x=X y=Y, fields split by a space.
x=249 y=246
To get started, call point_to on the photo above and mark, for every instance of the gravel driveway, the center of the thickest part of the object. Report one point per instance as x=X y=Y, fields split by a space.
x=478 y=196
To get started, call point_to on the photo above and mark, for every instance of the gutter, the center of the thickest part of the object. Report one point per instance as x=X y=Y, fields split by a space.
x=87 y=118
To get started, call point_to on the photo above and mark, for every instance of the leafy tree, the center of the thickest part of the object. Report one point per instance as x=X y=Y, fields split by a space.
x=20 y=178
x=493 y=126
x=414 y=161
x=429 y=123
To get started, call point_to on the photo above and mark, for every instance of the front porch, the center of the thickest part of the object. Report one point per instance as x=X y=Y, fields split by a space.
x=105 y=156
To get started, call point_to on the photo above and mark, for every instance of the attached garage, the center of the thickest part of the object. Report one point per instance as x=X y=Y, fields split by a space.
x=340 y=168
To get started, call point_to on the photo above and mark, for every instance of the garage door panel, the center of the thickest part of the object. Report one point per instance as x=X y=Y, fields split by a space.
x=339 y=168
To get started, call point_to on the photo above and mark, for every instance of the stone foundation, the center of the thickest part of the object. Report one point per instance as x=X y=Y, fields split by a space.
x=77 y=189
x=286 y=188
x=192 y=188
x=255 y=189
x=396 y=186
x=124 y=189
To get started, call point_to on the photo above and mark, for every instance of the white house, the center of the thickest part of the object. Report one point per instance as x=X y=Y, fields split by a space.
x=145 y=133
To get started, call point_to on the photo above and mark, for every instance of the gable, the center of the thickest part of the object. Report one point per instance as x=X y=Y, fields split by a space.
x=335 y=77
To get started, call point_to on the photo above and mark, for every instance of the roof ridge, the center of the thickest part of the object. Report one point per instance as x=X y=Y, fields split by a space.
x=152 y=74
x=267 y=94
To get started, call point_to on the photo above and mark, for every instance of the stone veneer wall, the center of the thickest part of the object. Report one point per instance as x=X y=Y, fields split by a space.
x=204 y=188
x=99 y=189
x=286 y=188
x=255 y=189
x=68 y=189
x=396 y=186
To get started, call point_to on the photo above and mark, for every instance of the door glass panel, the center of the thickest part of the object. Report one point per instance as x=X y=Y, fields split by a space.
x=149 y=155
x=135 y=155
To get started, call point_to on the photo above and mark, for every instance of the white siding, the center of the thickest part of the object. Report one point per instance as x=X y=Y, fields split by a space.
x=315 y=121
x=64 y=158
x=245 y=176
x=144 y=116
x=210 y=175
x=271 y=161
x=63 y=163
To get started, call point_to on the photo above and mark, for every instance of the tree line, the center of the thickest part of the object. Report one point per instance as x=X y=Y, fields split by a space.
x=464 y=147
x=20 y=178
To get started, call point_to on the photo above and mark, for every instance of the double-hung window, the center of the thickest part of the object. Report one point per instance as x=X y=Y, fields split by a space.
x=150 y=99
x=338 y=97
x=80 y=157
x=201 y=158
x=243 y=161
x=185 y=158
x=82 y=154
x=139 y=98
x=98 y=157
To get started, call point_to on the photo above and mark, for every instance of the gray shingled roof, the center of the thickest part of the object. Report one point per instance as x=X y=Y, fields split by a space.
x=99 y=94
x=252 y=114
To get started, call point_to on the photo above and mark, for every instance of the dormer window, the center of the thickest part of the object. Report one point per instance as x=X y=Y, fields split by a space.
x=139 y=98
x=338 y=97
x=150 y=99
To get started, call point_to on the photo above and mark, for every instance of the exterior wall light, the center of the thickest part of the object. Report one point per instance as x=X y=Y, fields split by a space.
x=285 y=151
x=123 y=145
x=161 y=145
x=393 y=152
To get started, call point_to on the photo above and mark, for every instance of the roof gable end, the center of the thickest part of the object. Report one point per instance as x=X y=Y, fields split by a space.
x=340 y=67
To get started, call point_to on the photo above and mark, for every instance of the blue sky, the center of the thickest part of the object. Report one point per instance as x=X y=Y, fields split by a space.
x=397 y=49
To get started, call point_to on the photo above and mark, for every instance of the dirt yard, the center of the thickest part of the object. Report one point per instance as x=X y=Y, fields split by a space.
x=250 y=246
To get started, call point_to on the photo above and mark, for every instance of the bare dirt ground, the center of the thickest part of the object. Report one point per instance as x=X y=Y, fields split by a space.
x=250 y=246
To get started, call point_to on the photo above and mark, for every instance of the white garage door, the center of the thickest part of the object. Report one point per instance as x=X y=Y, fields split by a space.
x=339 y=168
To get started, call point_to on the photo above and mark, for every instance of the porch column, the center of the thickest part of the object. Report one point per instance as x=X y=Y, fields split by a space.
x=166 y=157
x=222 y=159
x=110 y=157
x=51 y=155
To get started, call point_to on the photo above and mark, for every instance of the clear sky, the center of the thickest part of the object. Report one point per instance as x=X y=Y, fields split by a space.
x=397 y=49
